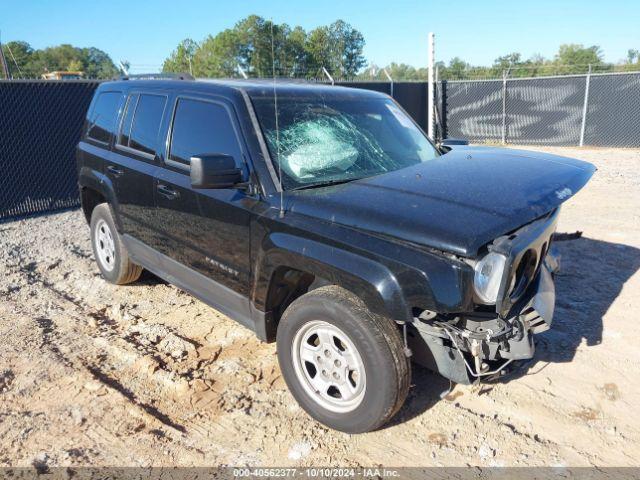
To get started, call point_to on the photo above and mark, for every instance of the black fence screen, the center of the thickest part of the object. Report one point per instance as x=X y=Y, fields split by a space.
x=591 y=110
x=40 y=125
x=41 y=122
x=613 y=111
x=411 y=95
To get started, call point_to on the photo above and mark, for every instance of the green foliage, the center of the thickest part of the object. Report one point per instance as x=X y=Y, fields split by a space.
x=577 y=56
x=25 y=62
x=180 y=58
x=570 y=59
x=293 y=52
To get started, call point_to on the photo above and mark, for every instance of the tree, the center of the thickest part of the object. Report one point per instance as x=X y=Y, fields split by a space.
x=217 y=56
x=253 y=35
x=318 y=50
x=347 y=46
x=397 y=71
x=573 y=58
x=338 y=48
x=259 y=46
x=18 y=55
x=180 y=60
x=97 y=64
x=508 y=61
x=458 y=69
x=25 y=62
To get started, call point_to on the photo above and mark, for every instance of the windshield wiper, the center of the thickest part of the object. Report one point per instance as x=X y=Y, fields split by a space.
x=327 y=183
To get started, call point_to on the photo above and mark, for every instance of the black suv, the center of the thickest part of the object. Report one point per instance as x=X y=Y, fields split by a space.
x=324 y=218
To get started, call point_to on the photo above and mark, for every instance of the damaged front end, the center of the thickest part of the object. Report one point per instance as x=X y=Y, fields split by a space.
x=510 y=309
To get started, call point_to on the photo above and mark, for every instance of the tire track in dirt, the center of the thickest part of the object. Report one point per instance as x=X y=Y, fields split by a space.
x=110 y=329
x=51 y=339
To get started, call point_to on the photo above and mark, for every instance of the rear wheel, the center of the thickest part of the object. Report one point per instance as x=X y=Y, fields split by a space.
x=111 y=255
x=344 y=365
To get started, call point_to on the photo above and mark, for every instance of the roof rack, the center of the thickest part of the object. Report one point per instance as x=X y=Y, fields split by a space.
x=157 y=76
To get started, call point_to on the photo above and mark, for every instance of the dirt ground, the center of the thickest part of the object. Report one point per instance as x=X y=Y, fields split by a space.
x=145 y=375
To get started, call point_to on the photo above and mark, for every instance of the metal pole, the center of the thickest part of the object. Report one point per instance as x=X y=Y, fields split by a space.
x=436 y=106
x=443 y=109
x=430 y=92
x=390 y=81
x=3 y=64
x=124 y=69
x=327 y=74
x=504 y=106
x=585 y=106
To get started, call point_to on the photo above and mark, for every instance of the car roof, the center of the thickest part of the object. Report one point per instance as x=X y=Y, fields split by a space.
x=255 y=88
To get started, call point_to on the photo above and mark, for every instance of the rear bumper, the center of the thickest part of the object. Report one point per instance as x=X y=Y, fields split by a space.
x=471 y=347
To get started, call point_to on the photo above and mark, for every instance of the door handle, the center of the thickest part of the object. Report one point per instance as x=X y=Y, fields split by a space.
x=115 y=171
x=167 y=192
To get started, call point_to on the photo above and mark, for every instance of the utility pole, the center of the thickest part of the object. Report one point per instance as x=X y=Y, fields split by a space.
x=3 y=63
x=430 y=90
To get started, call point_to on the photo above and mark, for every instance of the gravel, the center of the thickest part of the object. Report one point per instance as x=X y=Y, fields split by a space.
x=145 y=375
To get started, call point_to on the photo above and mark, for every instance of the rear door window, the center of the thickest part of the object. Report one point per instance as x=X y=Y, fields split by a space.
x=103 y=116
x=146 y=123
x=201 y=127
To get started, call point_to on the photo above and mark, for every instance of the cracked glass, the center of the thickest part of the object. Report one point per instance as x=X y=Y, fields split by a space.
x=323 y=141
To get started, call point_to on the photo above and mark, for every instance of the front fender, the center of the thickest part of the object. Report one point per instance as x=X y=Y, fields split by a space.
x=371 y=281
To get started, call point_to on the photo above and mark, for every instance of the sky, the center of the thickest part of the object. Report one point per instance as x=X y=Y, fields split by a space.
x=144 y=33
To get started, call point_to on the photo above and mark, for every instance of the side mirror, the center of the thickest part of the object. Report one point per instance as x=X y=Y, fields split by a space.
x=214 y=170
x=448 y=142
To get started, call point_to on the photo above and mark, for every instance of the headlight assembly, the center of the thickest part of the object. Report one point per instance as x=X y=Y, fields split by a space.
x=487 y=277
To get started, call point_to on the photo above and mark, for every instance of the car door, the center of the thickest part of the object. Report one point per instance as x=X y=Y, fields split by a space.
x=134 y=162
x=205 y=233
x=100 y=127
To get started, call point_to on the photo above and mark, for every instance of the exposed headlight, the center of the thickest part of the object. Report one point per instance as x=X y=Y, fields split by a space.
x=488 y=275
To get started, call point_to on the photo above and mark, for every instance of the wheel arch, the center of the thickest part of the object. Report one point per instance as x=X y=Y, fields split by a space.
x=96 y=188
x=310 y=264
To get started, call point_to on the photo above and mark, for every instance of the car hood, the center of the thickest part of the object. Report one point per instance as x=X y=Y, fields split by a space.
x=457 y=202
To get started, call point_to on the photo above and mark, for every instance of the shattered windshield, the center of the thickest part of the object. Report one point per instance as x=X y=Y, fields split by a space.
x=324 y=141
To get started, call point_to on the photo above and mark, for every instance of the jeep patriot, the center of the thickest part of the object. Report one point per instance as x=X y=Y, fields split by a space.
x=323 y=218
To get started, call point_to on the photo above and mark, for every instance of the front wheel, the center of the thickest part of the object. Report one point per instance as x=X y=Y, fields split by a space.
x=345 y=366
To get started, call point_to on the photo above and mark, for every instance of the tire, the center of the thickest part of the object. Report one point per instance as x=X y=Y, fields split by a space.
x=111 y=255
x=344 y=365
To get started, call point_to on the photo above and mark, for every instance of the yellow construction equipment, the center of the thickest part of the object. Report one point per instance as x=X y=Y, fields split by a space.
x=59 y=75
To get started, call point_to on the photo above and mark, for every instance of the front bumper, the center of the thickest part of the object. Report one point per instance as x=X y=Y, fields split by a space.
x=469 y=347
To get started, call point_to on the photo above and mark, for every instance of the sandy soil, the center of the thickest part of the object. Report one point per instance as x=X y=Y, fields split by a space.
x=93 y=374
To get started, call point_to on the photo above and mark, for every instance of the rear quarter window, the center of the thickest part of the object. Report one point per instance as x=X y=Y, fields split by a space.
x=102 y=118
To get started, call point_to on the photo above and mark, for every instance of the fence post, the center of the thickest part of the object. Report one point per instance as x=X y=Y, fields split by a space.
x=430 y=89
x=390 y=81
x=585 y=106
x=505 y=73
x=443 y=109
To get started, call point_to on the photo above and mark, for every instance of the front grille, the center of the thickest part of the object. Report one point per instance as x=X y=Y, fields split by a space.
x=525 y=250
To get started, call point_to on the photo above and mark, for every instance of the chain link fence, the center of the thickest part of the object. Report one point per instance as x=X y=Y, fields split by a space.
x=40 y=125
x=573 y=110
x=41 y=122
